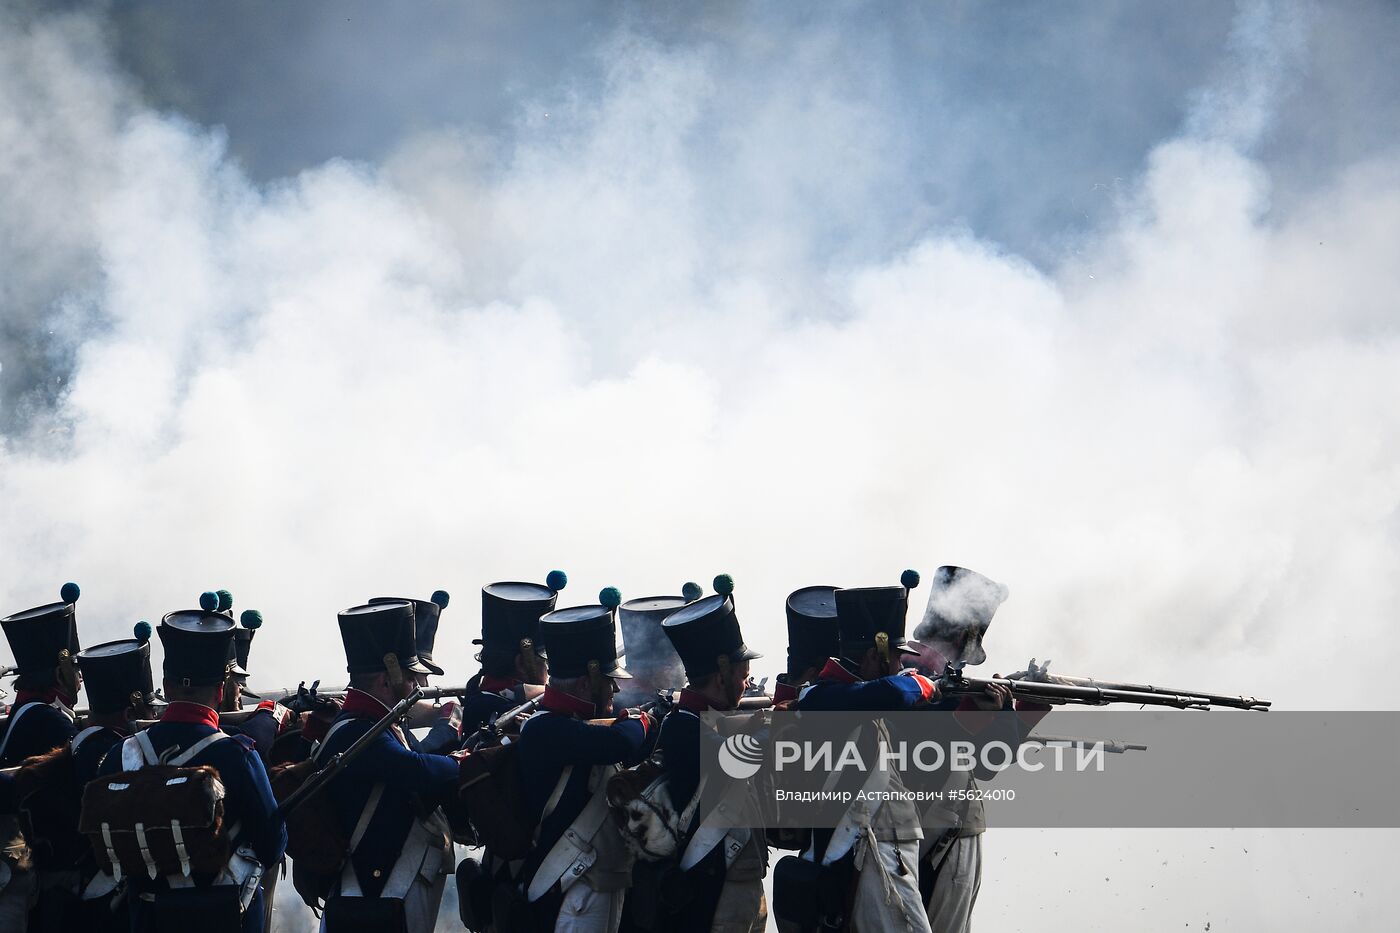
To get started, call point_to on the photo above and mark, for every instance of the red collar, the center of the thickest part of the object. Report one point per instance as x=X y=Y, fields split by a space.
x=499 y=684
x=695 y=701
x=47 y=695
x=783 y=692
x=836 y=670
x=180 y=711
x=361 y=705
x=556 y=701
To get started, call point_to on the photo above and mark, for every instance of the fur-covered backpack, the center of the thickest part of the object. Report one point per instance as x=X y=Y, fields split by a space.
x=162 y=817
x=652 y=826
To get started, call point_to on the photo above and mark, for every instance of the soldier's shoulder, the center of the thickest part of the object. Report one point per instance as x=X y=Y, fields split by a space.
x=247 y=742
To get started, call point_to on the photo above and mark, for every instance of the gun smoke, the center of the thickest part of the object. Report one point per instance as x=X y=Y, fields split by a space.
x=665 y=327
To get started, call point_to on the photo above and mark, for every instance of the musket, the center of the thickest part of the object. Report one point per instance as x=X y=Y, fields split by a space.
x=1212 y=699
x=1112 y=746
x=496 y=726
x=667 y=700
x=954 y=681
x=340 y=759
x=428 y=693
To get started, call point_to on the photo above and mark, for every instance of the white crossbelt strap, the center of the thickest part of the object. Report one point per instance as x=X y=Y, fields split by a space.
x=573 y=853
x=858 y=817
x=703 y=842
x=349 y=881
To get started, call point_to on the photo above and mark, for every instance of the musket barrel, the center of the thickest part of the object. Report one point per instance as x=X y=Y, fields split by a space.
x=1071 y=693
x=1214 y=699
x=428 y=693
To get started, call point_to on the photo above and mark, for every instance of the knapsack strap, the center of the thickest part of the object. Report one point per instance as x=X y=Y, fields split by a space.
x=320 y=746
x=83 y=736
x=143 y=753
x=15 y=717
x=188 y=754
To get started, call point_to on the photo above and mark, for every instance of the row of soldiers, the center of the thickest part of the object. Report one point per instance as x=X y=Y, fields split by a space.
x=376 y=851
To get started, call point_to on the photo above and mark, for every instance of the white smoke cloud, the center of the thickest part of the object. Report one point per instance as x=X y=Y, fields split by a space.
x=1177 y=446
x=458 y=367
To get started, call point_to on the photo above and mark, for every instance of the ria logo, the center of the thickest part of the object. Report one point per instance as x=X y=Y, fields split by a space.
x=741 y=756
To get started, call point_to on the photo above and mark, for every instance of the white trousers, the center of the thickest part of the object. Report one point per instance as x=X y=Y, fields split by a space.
x=955 y=890
x=887 y=888
x=588 y=911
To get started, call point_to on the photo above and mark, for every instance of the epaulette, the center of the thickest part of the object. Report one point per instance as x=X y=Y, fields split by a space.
x=243 y=740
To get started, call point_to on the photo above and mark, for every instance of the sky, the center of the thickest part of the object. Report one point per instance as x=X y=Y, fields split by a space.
x=317 y=303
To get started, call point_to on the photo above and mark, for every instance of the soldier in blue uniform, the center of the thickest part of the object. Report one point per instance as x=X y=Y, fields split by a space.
x=722 y=870
x=45 y=642
x=868 y=676
x=197 y=647
x=386 y=800
x=577 y=874
x=443 y=720
x=513 y=666
x=120 y=690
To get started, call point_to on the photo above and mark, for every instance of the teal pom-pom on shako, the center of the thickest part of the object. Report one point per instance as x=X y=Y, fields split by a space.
x=556 y=580
x=142 y=630
x=225 y=600
x=251 y=619
x=692 y=591
x=910 y=579
x=70 y=592
x=610 y=597
x=440 y=598
x=724 y=584
x=209 y=601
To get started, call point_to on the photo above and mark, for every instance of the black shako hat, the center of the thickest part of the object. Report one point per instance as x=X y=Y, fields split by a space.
x=426 y=615
x=198 y=646
x=117 y=674
x=44 y=637
x=813 y=635
x=511 y=612
x=380 y=636
x=706 y=633
x=874 y=616
x=649 y=650
x=586 y=639
x=961 y=604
